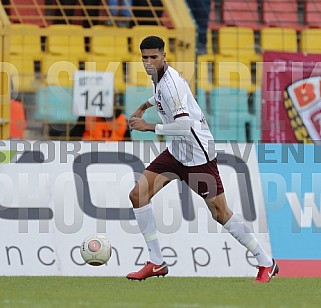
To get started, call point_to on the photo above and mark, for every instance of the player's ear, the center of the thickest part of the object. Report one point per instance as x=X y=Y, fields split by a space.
x=164 y=54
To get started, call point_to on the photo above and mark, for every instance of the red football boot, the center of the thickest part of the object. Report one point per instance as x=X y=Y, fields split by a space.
x=149 y=270
x=266 y=273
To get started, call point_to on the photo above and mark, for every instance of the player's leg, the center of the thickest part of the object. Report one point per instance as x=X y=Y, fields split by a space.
x=206 y=181
x=152 y=180
x=158 y=174
x=240 y=231
x=146 y=187
x=237 y=228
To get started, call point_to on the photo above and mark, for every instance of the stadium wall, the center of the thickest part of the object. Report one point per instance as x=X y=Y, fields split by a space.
x=54 y=194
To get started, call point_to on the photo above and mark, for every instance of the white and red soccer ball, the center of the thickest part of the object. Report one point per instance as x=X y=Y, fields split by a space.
x=96 y=250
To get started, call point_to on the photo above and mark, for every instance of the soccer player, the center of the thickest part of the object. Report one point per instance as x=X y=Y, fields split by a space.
x=190 y=157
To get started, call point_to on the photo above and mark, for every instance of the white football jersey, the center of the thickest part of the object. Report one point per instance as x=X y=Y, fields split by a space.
x=173 y=98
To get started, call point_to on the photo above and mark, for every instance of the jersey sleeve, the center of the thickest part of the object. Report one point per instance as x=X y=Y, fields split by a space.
x=176 y=97
x=152 y=100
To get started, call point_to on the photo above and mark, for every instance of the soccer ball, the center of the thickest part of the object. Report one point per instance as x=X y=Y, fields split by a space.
x=96 y=250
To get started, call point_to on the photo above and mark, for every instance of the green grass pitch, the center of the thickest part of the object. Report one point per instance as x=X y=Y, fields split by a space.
x=179 y=292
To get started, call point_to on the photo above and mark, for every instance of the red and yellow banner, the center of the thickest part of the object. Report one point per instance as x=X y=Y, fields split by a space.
x=291 y=97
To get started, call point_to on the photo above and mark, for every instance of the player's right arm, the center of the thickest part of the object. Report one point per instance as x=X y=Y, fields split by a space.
x=141 y=109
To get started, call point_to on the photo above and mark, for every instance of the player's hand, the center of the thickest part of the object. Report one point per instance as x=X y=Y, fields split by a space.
x=137 y=124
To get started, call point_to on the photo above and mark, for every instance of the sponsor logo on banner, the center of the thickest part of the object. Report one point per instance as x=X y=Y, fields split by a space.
x=54 y=194
x=291 y=101
x=303 y=104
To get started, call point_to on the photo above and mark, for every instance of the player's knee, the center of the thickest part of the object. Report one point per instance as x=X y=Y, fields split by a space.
x=220 y=214
x=134 y=197
x=138 y=198
x=217 y=209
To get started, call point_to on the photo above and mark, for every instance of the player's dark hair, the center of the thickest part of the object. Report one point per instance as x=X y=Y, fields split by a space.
x=152 y=42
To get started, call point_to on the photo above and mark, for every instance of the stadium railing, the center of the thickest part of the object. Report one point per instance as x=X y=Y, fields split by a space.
x=62 y=43
x=236 y=40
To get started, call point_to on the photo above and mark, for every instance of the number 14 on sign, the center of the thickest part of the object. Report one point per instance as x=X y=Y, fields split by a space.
x=93 y=94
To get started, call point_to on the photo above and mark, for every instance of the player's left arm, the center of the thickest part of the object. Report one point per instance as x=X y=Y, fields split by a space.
x=181 y=127
x=176 y=98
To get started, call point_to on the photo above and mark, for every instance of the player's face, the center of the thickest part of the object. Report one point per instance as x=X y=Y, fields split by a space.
x=153 y=60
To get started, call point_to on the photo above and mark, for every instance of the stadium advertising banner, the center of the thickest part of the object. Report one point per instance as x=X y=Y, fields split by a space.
x=290 y=176
x=54 y=194
x=291 y=109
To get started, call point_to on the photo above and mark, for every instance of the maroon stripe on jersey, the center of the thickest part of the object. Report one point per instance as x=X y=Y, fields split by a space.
x=181 y=115
x=200 y=144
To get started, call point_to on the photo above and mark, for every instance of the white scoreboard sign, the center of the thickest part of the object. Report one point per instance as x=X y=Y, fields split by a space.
x=93 y=94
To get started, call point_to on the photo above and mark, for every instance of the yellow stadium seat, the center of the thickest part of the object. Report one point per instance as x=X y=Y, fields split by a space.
x=25 y=56
x=236 y=42
x=100 y=64
x=233 y=74
x=59 y=70
x=140 y=32
x=22 y=73
x=25 y=42
x=279 y=39
x=205 y=71
x=61 y=41
x=114 y=46
x=310 y=40
x=217 y=71
x=209 y=41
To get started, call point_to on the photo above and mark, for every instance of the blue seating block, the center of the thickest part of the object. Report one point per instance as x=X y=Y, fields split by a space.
x=202 y=102
x=231 y=119
x=256 y=124
x=54 y=104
